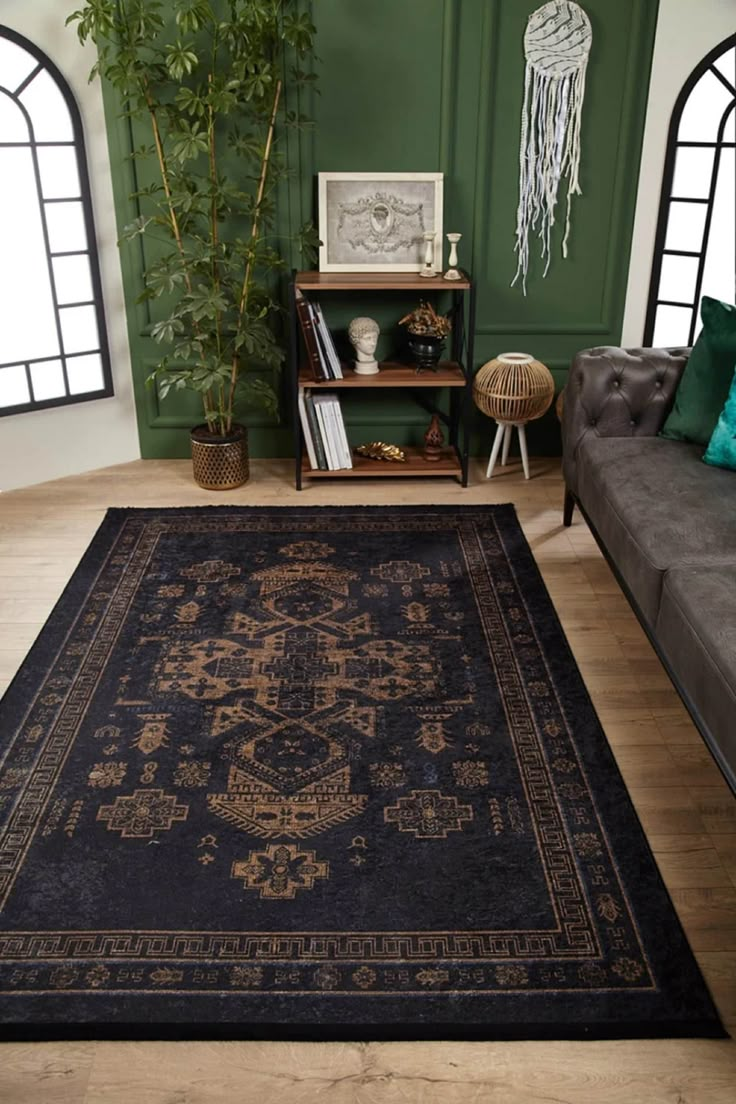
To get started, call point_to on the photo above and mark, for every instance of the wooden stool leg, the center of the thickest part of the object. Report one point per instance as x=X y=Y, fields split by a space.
x=522 y=445
x=500 y=431
x=506 y=445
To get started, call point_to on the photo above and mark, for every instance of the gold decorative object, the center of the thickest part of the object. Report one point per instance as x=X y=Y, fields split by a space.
x=513 y=388
x=378 y=450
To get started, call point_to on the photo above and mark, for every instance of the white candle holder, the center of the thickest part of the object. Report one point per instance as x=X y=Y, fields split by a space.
x=453 y=272
x=428 y=268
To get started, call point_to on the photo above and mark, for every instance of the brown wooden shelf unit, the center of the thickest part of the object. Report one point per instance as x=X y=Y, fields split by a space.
x=454 y=374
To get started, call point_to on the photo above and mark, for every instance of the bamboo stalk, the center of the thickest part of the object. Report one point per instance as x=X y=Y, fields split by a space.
x=253 y=238
x=215 y=240
x=165 y=178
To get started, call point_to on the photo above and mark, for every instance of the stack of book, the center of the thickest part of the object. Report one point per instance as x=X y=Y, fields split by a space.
x=324 y=430
x=321 y=352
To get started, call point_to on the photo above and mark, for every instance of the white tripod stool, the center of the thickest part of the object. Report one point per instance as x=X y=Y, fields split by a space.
x=502 y=442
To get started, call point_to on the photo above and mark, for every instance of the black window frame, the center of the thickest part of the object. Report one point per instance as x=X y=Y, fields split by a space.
x=667 y=198
x=97 y=301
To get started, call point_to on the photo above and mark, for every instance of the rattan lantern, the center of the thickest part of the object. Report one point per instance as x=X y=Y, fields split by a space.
x=513 y=388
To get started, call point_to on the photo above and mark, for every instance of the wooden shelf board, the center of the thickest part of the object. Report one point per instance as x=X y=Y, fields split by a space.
x=376 y=281
x=415 y=465
x=391 y=374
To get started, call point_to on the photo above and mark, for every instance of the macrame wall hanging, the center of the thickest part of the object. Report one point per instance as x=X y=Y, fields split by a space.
x=556 y=45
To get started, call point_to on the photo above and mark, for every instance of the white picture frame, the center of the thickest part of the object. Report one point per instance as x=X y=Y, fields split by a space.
x=366 y=219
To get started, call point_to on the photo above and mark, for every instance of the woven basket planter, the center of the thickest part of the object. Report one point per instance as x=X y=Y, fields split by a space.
x=513 y=388
x=220 y=463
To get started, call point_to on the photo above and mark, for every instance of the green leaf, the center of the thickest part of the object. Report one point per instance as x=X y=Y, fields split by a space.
x=135 y=228
x=167 y=329
x=192 y=15
x=181 y=60
x=189 y=141
x=189 y=100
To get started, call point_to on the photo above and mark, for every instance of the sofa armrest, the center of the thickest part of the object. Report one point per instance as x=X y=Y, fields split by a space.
x=614 y=392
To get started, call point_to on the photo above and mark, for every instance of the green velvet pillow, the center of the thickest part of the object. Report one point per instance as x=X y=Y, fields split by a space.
x=707 y=377
x=721 y=452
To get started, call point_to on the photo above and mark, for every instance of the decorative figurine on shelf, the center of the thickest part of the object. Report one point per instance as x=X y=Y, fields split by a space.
x=379 y=450
x=363 y=334
x=427 y=333
x=433 y=440
x=453 y=273
x=428 y=268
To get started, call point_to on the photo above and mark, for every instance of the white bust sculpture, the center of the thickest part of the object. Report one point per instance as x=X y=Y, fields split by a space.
x=363 y=334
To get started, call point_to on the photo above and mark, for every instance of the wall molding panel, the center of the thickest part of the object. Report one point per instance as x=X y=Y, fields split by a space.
x=430 y=85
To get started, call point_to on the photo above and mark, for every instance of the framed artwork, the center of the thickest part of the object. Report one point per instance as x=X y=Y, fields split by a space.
x=376 y=222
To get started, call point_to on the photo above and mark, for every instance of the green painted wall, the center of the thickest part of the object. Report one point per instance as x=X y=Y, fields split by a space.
x=428 y=85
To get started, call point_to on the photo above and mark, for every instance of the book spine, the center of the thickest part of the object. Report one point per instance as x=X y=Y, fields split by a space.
x=319 y=447
x=329 y=408
x=306 y=429
x=320 y=403
x=329 y=344
x=310 y=340
x=324 y=359
x=347 y=458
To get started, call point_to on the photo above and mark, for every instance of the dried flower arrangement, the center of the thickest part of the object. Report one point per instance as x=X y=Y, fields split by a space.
x=425 y=321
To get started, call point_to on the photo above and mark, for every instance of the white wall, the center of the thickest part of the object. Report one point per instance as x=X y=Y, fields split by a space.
x=686 y=31
x=47 y=444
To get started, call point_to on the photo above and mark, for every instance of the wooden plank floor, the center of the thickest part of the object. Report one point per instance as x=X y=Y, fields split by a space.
x=687 y=811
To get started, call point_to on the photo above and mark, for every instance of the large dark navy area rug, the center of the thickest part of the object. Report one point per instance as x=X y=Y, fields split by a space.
x=322 y=773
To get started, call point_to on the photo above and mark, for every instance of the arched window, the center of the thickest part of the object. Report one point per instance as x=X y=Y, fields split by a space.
x=695 y=249
x=53 y=345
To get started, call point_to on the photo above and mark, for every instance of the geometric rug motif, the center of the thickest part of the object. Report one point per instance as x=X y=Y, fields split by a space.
x=322 y=773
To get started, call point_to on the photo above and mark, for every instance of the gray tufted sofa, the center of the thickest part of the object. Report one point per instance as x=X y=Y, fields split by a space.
x=665 y=520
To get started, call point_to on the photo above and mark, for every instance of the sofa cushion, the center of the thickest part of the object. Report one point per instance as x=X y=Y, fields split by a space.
x=696 y=629
x=721 y=451
x=655 y=504
x=704 y=385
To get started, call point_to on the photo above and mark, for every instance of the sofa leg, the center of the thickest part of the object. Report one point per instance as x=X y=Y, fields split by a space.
x=568 y=508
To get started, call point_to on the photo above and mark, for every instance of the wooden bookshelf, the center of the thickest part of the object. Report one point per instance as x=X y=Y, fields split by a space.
x=454 y=374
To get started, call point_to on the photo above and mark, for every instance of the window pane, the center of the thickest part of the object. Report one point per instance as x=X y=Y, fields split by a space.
x=13 y=386
x=685 y=227
x=677 y=279
x=726 y=64
x=73 y=279
x=671 y=327
x=50 y=348
x=719 y=277
x=25 y=288
x=701 y=116
x=13 y=126
x=15 y=64
x=729 y=132
x=66 y=227
x=58 y=168
x=79 y=329
x=47 y=380
x=693 y=170
x=85 y=374
x=45 y=104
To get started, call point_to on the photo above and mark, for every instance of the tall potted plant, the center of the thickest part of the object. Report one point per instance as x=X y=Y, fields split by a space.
x=206 y=78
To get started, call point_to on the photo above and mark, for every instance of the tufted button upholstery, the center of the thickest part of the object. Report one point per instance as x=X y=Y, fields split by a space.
x=616 y=392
